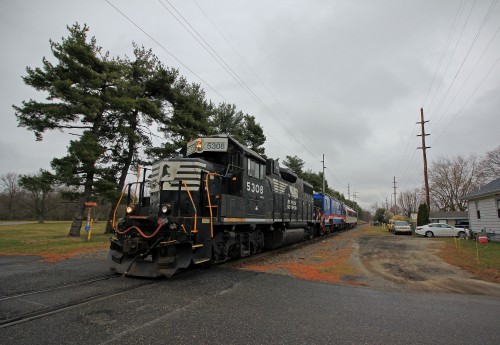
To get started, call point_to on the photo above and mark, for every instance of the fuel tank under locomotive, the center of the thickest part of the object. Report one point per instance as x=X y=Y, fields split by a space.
x=281 y=238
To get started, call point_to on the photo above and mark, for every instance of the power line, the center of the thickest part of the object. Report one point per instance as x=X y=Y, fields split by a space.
x=468 y=99
x=253 y=72
x=468 y=77
x=411 y=137
x=453 y=52
x=233 y=74
x=448 y=40
x=438 y=116
x=223 y=64
x=208 y=48
x=492 y=5
x=177 y=59
x=166 y=50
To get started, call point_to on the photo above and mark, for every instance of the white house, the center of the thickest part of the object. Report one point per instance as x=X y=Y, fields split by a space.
x=484 y=207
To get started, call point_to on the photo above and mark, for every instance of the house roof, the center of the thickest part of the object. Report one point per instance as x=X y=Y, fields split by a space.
x=448 y=215
x=490 y=188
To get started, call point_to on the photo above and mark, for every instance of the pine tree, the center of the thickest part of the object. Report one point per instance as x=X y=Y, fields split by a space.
x=82 y=90
x=189 y=118
x=423 y=215
x=145 y=99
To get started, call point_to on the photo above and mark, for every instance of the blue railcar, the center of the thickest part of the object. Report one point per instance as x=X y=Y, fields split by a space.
x=330 y=213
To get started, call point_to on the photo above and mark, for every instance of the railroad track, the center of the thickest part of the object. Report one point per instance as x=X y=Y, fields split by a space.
x=64 y=305
x=63 y=286
x=106 y=294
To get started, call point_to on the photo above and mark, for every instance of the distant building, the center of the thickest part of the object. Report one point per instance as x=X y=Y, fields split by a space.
x=453 y=218
x=484 y=207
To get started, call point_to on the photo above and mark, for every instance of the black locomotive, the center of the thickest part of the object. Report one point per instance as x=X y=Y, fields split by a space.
x=221 y=201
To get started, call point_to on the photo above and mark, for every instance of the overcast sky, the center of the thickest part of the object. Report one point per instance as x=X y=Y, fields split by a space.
x=342 y=78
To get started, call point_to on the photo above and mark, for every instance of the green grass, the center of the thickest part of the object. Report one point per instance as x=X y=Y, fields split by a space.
x=377 y=231
x=468 y=252
x=50 y=239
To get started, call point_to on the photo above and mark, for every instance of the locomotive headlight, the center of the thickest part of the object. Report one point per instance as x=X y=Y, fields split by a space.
x=199 y=145
x=164 y=209
x=173 y=226
x=130 y=209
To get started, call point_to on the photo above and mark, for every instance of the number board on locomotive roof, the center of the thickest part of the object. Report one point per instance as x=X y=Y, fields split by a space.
x=207 y=144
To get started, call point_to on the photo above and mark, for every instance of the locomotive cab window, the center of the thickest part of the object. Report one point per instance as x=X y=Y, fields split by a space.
x=235 y=161
x=255 y=169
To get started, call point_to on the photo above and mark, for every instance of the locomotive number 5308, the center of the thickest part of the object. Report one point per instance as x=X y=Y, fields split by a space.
x=255 y=188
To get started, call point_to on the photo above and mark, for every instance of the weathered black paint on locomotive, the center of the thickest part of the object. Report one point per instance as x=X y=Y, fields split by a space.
x=220 y=202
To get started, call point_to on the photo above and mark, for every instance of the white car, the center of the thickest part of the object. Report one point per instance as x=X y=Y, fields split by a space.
x=401 y=226
x=441 y=230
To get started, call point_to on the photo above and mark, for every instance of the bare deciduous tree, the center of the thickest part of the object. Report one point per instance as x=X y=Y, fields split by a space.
x=452 y=178
x=11 y=190
x=490 y=165
x=409 y=200
x=41 y=188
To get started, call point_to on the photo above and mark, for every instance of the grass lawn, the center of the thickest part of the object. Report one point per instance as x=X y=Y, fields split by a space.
x=380 y=230
x=481 y=259
x=50 y=240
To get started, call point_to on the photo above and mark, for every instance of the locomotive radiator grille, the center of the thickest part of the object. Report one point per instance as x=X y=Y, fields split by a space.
x=170 y=173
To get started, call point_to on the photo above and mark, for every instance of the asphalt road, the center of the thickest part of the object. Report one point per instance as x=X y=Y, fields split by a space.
x=221 y=305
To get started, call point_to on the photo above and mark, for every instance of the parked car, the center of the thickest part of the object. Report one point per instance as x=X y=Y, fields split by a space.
x=441 y=230
x=401 y=226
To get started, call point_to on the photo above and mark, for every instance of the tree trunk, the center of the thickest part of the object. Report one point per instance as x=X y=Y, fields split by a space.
x=76 y=225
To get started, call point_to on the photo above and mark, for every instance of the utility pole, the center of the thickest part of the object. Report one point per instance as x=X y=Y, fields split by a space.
x=423 y=147
x=348 y=192
x=323 y=161
x=395 y=203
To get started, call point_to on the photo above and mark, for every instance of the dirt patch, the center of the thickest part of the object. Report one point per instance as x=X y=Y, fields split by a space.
x=356 y=257
x=55 y=257
x=51 y=258
x=326 y=261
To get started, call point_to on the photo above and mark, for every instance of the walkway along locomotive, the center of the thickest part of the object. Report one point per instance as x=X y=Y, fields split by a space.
x=221 y=201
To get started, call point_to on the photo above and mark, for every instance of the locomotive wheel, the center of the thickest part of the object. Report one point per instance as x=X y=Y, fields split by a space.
x=234 y=251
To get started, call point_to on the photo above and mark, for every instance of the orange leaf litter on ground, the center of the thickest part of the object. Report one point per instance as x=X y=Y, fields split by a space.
x=325 y=265
x=53 y=257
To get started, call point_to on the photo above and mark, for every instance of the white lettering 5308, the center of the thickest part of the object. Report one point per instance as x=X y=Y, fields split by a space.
x=255 y=188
